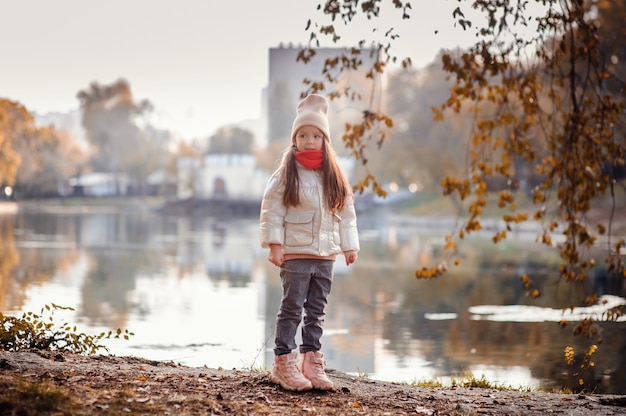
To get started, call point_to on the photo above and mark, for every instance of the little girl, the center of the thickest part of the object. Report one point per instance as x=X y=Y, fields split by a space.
x=307 y=218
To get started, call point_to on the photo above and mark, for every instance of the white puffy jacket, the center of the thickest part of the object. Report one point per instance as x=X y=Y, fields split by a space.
x=309 y=228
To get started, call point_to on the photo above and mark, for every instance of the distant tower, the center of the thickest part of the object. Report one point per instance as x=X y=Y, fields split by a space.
x=286 y=85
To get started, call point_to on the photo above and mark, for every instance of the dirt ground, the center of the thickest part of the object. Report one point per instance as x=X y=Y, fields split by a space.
x=109 y=385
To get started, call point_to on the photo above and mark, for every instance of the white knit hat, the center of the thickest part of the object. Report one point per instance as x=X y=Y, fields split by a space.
x=312 y=111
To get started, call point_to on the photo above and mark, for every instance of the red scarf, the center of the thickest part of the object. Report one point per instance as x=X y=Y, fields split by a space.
x=311 y=159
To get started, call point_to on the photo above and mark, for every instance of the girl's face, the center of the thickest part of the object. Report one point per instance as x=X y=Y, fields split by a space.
x=309 y=138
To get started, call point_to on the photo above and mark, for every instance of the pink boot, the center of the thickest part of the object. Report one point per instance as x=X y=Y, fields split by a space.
x=312 y=366
x=287 y=373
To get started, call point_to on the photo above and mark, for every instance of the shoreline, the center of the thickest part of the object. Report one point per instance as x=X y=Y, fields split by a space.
x=84 y=385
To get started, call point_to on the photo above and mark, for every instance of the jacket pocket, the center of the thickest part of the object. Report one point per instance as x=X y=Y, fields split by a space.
x=299 y=229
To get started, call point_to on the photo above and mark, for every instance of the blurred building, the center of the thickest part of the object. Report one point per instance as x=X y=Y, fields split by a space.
x=99 y=184
x=220 y=176
x=285 y=87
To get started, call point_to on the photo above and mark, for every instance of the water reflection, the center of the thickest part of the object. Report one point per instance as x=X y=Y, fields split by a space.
x=199 y=291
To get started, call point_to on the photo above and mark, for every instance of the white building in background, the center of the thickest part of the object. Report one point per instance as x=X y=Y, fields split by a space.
x=98 y=184
x=229 y=176
x=221 y=176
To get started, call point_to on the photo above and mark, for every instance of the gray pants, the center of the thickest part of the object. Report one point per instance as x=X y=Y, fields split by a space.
x=306 y=285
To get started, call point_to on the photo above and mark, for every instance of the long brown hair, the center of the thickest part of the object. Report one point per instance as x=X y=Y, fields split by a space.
x=337 y=189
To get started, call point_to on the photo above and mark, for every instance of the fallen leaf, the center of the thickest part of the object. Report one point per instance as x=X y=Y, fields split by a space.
x=424 y=411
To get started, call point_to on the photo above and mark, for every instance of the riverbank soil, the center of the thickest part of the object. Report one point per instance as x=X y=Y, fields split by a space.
x=66 y=384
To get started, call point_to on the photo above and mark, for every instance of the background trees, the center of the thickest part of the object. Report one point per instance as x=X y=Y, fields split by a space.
x=112 y=120
x=9 y=160
x=39 y=161
x=50 y=158
x=423 y=151
x=232 y=141
x=34 y=161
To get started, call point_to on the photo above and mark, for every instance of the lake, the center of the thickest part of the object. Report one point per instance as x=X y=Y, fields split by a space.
x=199 y=291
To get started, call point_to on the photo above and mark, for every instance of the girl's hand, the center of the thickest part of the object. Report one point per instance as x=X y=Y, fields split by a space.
x=276 y=254
x=351 y=257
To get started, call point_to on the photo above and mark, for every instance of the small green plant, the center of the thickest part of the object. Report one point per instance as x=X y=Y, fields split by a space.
x=431 y=384
x=469 y=380
x=255 y=369
x=361 y=374
x=38 y=332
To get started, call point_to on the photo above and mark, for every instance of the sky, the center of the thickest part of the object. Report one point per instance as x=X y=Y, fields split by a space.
x=202 y=63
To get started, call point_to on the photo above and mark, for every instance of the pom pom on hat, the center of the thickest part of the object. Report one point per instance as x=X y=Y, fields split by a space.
x=312 y=111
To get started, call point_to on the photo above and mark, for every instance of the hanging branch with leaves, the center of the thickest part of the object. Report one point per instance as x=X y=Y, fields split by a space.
x=548 y=101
